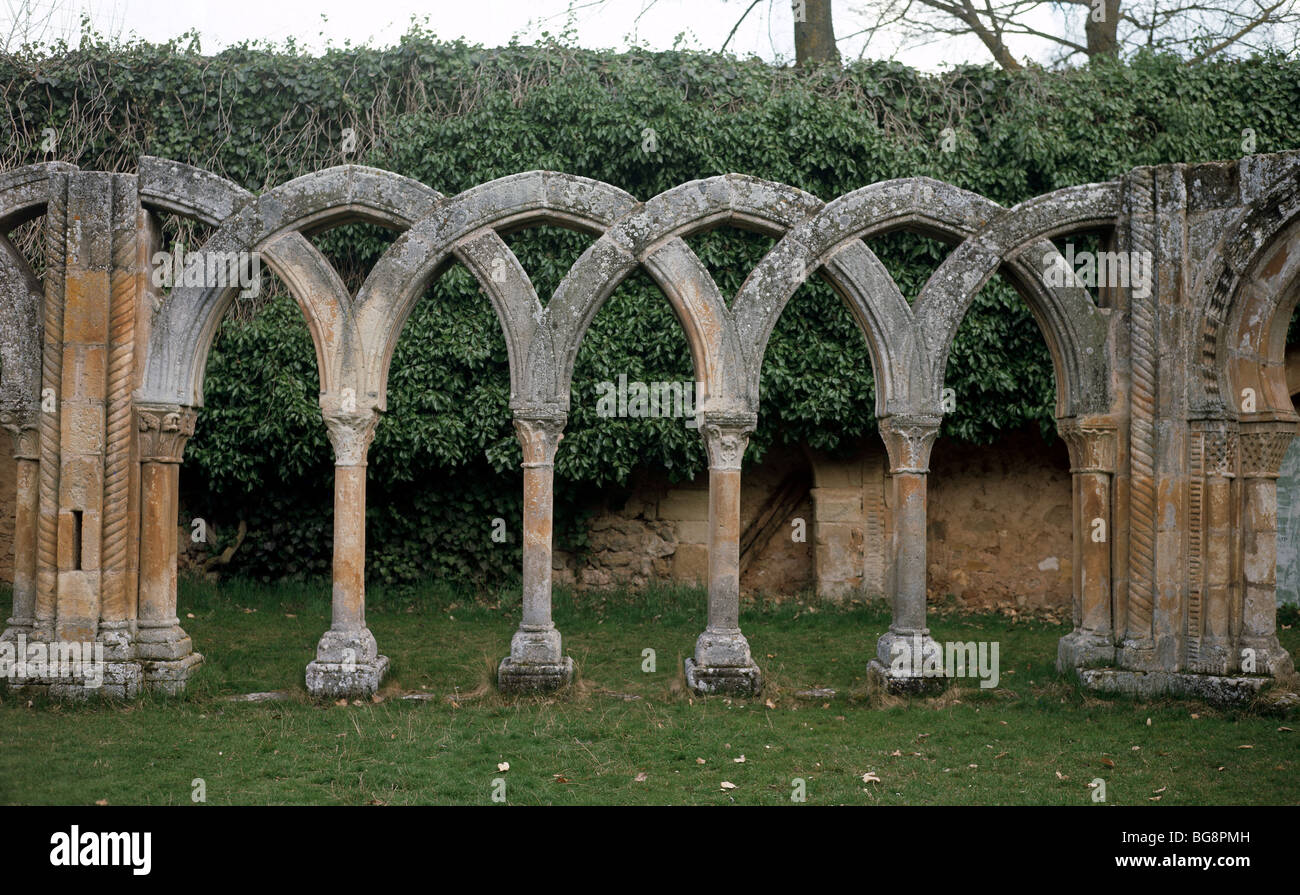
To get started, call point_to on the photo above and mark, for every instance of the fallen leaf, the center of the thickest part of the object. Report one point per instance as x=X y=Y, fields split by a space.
x=1160 y=790
x=870 y=777
x=897 y=753
x=503 y=766
x=727 y=785
x=699 y=761
x=1155 y=798
x=770 y=704
x=1245 y=747
x=1108 y=763
x=740 y=760
x=1060 y=776
x=1280 y=729
x=342 y=702
x=560 y=778
x=641 y=777
x=101 y=801
x=1000 y=755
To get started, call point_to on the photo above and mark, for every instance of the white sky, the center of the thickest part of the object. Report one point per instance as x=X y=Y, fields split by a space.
x=703 y=24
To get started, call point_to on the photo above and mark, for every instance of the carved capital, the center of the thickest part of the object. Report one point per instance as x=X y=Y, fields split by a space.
x=908 y=439
x=726 y=437
x=539 y=437
x=24 y=429
x=351 y=434
x=1091 y=444
x=1263 y=445
x=164 y=431
x=1217 y=442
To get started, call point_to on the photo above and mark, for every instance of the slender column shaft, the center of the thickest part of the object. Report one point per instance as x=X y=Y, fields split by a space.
x=158 y=520
x=163 y=432
x=27 y=494
x=1093 y=575
x=539 y=484
x=722 y=662
x=909 y=552
x=537 y=660
x=724 y=550
x=348 y=663
x=349 y=594
x=909 y=440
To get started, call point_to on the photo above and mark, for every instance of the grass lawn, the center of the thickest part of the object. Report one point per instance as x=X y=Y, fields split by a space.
x=623 y=735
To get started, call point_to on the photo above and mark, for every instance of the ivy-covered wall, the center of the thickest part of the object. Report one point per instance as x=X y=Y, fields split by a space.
x=445 y=462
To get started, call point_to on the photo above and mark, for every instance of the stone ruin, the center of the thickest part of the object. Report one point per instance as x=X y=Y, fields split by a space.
x=1171 y=391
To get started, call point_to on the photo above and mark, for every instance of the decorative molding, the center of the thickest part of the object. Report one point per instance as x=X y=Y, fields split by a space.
x=1140 y=234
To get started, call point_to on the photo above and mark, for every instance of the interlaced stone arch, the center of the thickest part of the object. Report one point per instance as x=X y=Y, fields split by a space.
x=1132 y=388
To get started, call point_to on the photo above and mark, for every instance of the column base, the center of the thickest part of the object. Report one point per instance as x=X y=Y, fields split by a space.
x=534 y=677
x=1224 y=691
x=162 y=641
x=171 y=676
x=113 y=680
x=1214 y=658
x=729 y=680
x=907 y=663
x=1138 y=655
x=18 y=626
x=1269 y=658
x=882 y=679
x=346 y=680
x=1081 y=648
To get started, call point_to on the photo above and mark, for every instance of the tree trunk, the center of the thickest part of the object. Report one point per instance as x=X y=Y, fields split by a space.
x=814 y=37
x=1103 y=36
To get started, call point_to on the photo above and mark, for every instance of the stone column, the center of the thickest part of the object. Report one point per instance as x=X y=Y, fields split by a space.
x=904 y=653
x=347 y=663
x=1263 y=444
x=27 y=456
x=722 y=661
x=537 y=660
x=1092 y=464
x=165 y=650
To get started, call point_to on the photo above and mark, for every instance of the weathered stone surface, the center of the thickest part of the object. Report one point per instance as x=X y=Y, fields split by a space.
x=1171 y=394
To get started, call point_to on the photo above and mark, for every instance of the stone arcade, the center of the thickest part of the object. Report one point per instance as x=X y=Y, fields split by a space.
x=1171 y=397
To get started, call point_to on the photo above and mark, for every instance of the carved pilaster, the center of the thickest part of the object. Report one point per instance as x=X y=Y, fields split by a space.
x=909 y=438
x=164 y=431
x=25 y=432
